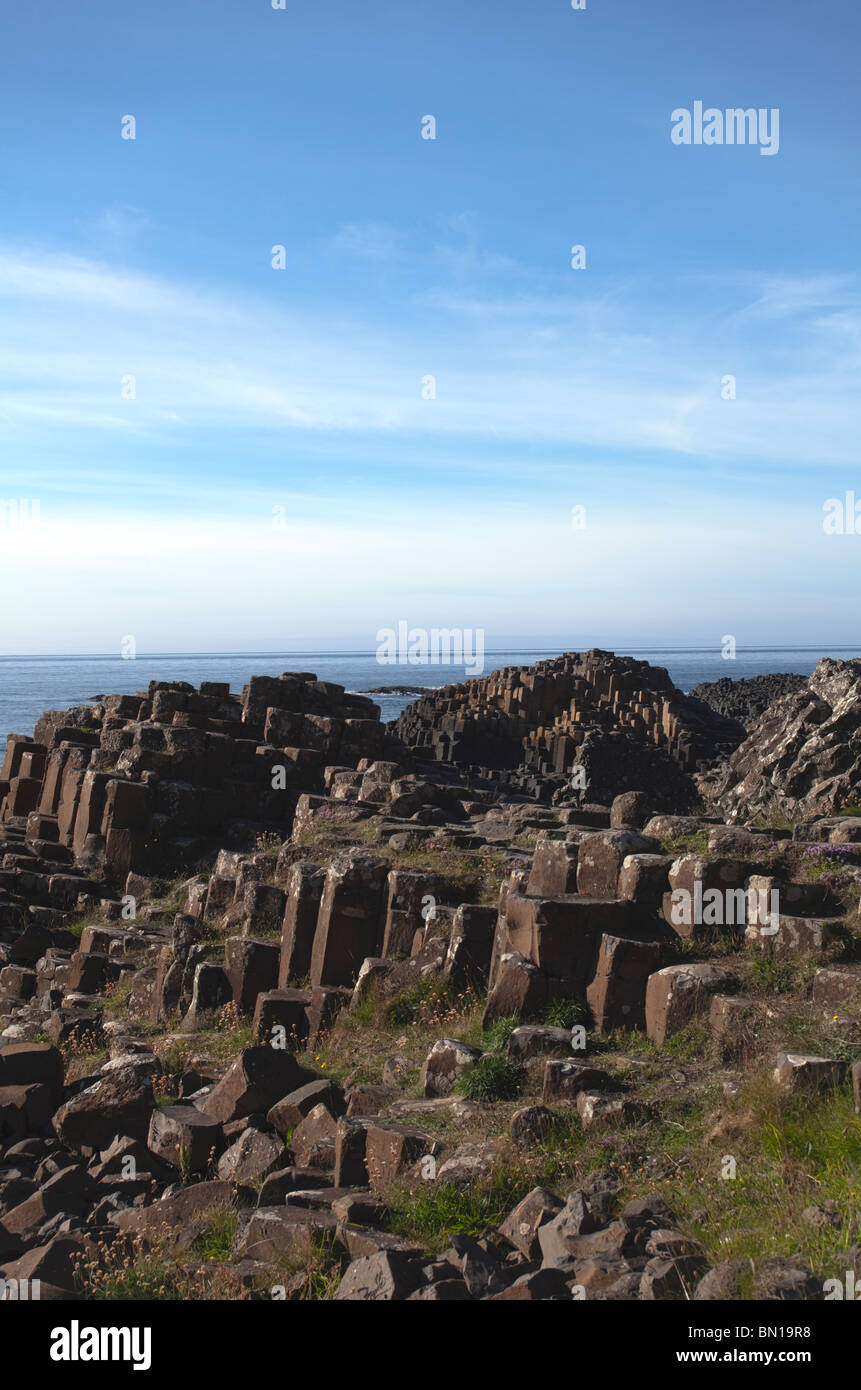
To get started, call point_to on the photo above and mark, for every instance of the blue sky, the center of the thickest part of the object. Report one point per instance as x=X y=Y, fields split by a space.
x=301 y=389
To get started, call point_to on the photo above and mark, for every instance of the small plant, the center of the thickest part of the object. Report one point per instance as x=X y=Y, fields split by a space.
x=492 y=1078
x=164 y=1090
x=422 y=1002
x=83 y=1052
x=184 y=1164
x=116 y=995
x=830 y=864
x=439 y=1210
x=685 y=844
x=268 y=842
x=773 y=977
x=313 y=1279
x=560 y=1012
x=131 y=1270
x=366 y=1010
x=229 y=1018
x=174 y=1058
x=495 y=1037
x=215 y=1241
x=689 y=1043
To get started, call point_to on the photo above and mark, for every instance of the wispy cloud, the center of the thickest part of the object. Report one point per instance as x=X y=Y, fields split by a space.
x=782 y=297
x=611 y=401
x=116 y=230
x=629 y=372
x=369 y=241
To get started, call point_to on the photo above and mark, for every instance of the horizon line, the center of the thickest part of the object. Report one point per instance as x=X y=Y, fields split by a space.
x=345 y=652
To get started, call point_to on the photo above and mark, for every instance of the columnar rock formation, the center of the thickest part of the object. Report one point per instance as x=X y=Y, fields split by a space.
x=590 y=918
x=285 y=938
x=143 y=782
x=540 y=715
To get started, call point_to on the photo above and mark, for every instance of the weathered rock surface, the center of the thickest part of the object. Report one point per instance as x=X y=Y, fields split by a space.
x=747 y=699
x=548 y=715
x=803 y=755
x=312 y=941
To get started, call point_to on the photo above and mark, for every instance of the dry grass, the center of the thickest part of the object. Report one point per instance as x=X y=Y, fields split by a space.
x=135 y=1269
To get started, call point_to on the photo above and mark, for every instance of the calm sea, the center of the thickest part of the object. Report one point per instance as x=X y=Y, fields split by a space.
x=31 y=684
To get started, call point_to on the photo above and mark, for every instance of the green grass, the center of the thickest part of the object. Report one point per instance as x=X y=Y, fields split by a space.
x=845 y=935
x=323 y=1271
x=411 y=1004
x=685 y=844
x=116 y=996
x=789 y=1154
x=824 y=868
x=495 y=1037
x=632 y=1042
x=224 y=1044
x=131 y=1272
x=216 y=1241
x=492 y=1078
x=689 y=1043
x=438 y=1211
x=800 y=1153
x=320 y=1270
x=832 y=1144
x=366 y=1010
x=560 y=1012
x=773 y=977
x=724 y=942
x=815 y=1035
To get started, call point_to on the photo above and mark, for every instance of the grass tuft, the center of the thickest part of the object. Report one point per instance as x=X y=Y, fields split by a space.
x=492 y=1078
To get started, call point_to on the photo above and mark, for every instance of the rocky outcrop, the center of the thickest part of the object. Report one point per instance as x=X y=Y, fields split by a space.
x=802 y=756
x=747 y=699
x=578 y=935
x=613 y=763
x=150 y=781
x=615 y=719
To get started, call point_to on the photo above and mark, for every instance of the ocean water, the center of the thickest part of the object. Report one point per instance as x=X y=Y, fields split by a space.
x=31 y=684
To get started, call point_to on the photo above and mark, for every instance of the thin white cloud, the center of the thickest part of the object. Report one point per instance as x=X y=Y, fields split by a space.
x=552 y=368
x=782 y=297
x=369 y=241
x=116 y=230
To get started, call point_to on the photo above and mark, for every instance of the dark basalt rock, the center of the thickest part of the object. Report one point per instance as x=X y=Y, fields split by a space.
x=539 y=715
x=747 y=699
